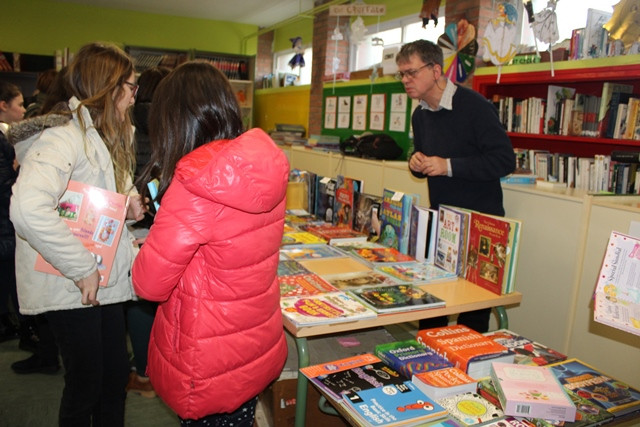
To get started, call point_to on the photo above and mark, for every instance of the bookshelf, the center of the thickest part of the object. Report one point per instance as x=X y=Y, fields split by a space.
x=586 y=76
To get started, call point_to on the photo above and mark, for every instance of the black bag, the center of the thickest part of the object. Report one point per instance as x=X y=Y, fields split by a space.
x=371 y=146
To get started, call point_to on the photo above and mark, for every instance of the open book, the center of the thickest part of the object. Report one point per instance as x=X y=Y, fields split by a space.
x=95 y=216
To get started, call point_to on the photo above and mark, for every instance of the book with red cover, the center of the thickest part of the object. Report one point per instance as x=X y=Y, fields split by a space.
x=467 y=349
x=96 y=217
x=343 y=203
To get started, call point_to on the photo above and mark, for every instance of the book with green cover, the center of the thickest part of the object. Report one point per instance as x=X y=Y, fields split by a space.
x=410 y=357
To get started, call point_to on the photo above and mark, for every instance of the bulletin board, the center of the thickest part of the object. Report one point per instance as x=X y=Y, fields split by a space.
x=351 y=108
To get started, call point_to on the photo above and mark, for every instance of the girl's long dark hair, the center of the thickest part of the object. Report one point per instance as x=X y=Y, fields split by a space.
x=193 y=105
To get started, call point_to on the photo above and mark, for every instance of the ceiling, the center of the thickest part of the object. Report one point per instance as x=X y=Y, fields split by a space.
x=263 y=13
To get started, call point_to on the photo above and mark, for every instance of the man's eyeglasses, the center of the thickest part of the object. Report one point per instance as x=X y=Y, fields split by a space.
x=411 y=73
x=134 y=88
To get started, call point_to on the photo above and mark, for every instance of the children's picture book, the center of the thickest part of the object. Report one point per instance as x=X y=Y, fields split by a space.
x=380 y=255
x=331 y=232
x=527 y=352
x=394 y=298
x=304 y=252
x=325 y=196
x=303 y=284
x=444 y=382
x=451 y=239
x=301 y=238
x=422 y=234
x=343 y=202
x=416 y=273
x=555 y=97
x=395 y=217
x=587 y=415
x=349 y=281
x=96 y=217
x=617 y=293
x=332 y=307
x=366 y=213
x=617 y=397
x=393 y=405
x=409 y=357
x=332 y=266
x=304 y=193
x=470 y=409
x=531 y=391
x=338 y=377
x=467 y=349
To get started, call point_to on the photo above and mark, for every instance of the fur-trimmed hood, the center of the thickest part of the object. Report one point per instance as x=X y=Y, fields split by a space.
x=21 y=132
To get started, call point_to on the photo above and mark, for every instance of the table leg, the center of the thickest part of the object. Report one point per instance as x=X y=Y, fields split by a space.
x=301 y=392
x=503 y=320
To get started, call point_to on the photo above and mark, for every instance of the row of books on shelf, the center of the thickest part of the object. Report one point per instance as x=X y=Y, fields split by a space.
x=616 y=173
x=611 y=114
x=454 y=376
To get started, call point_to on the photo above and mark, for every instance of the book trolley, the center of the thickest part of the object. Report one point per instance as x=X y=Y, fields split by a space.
x=460 y=296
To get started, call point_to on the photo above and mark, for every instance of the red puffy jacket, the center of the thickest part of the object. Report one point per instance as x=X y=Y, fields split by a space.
x=211 y=259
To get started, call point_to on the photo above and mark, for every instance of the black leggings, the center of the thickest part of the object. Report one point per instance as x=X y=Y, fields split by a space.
x=241 y=417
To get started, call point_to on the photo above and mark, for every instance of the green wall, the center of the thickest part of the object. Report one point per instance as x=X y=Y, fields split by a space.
x=42 y=26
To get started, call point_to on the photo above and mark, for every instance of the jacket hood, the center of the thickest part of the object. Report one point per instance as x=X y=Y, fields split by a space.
x=20 y=134
x=222 y=170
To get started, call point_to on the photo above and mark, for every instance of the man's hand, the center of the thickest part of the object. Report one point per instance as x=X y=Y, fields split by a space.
x=428 y=165
x=89 y=288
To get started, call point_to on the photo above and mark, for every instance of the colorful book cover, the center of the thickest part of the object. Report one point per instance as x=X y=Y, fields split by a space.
x=587 y=414
x=510 y=421
x=96 y=217
x=332 y=266
x=527 y=352
x=393 y=298
x=422 y=234
x=470 y=409
x=395 y=217
x=451 y=239
x=615 y=396
x=366 y=213
x=331 y=232
x=617 y=294
x=487 y=251
x=381 y=255
x=360 y=372
x=349 y=281
x=467 y=349
x=333 y=307
x=555 y=97
x=417 y=273
x=303 y=284
x=290 y=267
x=301 y=238
x=444 y=382
x=393 y=405
x=303 y=252
x=343 y=202
x=531 y=391
x=410 y=357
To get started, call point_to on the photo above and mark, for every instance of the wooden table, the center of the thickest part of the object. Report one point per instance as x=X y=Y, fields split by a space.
x=460 y=296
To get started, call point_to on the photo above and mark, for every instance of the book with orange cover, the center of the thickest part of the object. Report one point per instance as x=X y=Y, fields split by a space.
x=96 y=217
x=467 y=349
x=445 y=382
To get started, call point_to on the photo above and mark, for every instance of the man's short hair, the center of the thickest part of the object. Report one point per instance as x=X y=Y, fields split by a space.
x=427 y=51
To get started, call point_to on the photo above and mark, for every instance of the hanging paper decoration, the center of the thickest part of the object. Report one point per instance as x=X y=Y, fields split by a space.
x=298 y=59
x=545 y=28
x=429 y=11
x=459 y=47
x=500 y=35
x=358 y=30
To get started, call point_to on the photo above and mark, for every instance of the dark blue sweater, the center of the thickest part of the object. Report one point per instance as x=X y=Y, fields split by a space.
x=478 y=146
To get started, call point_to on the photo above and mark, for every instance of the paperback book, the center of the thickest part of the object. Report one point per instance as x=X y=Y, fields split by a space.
x=417 y=273
x=344 y=200
x=303 y=284
x=527 y=352
x=445 y=382
x=394 y=298
x=451 y=239
x=349 y=281
x=395 y=216
x=333 y=307
x=422 y=235
x=306 y=252
x=330 y=232
x=96 y=217
x=366 y=215
x=410 y=357
x=617 y=293
x=301 y=238
x=361 y=372
x=325 y=197
x=467 y=349
x=531 y=391
x=394 y=405
x=613 y=395
x=471 y=409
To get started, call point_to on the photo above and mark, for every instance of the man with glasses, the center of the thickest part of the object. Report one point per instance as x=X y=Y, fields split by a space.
x=459 y=144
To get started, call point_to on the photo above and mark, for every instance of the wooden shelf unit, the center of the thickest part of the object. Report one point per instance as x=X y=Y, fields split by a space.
x=586 y=76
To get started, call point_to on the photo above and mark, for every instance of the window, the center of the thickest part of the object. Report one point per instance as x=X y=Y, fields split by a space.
x=571 y=14
x=281 y=65
x=392 y=33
